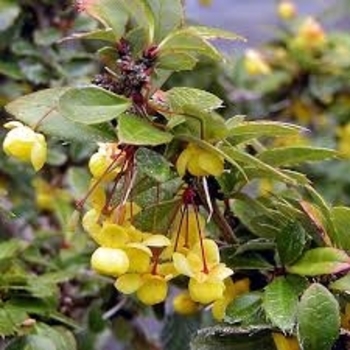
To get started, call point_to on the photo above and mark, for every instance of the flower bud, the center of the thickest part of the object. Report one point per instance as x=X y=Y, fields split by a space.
x=109 y=261
x=25 y=144
x=286 y=10
x=255 y=64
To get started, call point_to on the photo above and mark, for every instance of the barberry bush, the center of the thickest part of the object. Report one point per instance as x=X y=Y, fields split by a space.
x=173 y=206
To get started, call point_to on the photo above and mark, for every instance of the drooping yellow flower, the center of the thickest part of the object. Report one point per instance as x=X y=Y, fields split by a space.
x=232 y=291
x=109 y=261
x=184 y=305
x=283 y=342
x=106 y=162
x=255 y=64
x=207 y=274
x=199 y=162
x=25 y=144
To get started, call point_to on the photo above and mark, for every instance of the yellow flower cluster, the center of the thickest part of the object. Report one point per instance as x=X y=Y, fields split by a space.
x=143 y=262
x=344 y=141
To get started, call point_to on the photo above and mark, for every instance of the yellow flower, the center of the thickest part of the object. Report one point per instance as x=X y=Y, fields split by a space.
x=285 y=343
x=255 y=64
x=286 y=9
x=310 y=35
x=106 y=162
x=184 y=305
x=46 y=194
x=199 y=162
x=232 y=291
x=109 y=261
x=202 y=265
x=25 y=144
x=344 y=141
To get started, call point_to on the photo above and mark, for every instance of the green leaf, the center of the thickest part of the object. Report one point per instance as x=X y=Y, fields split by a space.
x=168 y=16
x=157 y=218
x=321 y=261
x=318 y=319
x=280 y=303
x=245 y=261
x=11 y=248
x=9 y=11
x=78 y=180
x=32 y=342
x=179 y=97
x=209 y=126
x=98 y=34
x=47 y=36
x=254 y=129
x=133 y=130
x=153 y=164
x=340 y=217
x=60 y=337
x=178 y=330
x=342 y=284
x=290 y=242
x=142 y=13
x=244 y=308
x=92 y=105
x=295 y=155
x=110 y=13
x=177 y=62
x=188 y=41
x=233 y=338
x=245 y=158
x=41 y=107
x=210 y=33
x=11 y=70
x=6 y=325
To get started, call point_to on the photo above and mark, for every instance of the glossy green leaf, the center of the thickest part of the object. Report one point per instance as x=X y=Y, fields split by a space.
x=168 y=15
x=318 y=319
x=177 y=61
x=188 y=41
x=210 y=33
x=134 y=130
x=60 y=337
x=342 y=284
x=254 y=129
x=321 y=261
x=280 y=303
x=245 y=158
x=157 y=218
x=244 y=308
x=110 y=13
x=141 y=12
x=178 y=97
x=41 y=107
x=291 y=242
x=98 y=34
x=340 y=217
x=32 y=342
x=9 y=249
x=178 y=330
x=233 y=338
x=153 y=164
x=9 y=11
x=295 y=155
x=92 y=105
